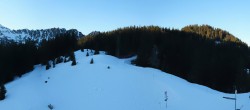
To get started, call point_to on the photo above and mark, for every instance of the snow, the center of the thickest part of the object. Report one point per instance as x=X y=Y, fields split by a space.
x=124 y=86
x=217 y=42
x=247 y=71
x=5 y=32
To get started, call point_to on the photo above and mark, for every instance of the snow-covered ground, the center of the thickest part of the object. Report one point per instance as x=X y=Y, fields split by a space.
x=122 y=87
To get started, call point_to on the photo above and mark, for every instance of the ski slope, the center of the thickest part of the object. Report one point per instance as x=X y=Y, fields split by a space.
x=122 y=87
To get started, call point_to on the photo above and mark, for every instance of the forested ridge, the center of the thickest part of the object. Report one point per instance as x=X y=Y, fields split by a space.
x=211 y=33
x=199 y=54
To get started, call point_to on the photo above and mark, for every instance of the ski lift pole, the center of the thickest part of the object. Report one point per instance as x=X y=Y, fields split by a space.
x=235 y=98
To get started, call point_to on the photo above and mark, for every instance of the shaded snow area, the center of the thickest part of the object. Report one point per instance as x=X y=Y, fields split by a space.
x=123 y=86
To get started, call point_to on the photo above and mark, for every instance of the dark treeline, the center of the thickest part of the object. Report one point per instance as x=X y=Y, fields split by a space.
x=16 y=59
x=219 y=61
x=61 y=45
x=19 y=58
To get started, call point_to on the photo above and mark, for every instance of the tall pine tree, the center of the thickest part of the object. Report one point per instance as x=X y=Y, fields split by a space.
x=2 y=92
x=72 y=58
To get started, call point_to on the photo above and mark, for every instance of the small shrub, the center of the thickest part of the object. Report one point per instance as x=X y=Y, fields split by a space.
x=87 y=54
x=91 y=61
x=108 y=67
x=50 y=106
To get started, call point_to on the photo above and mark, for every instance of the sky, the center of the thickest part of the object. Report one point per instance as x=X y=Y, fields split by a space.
x=106 y=15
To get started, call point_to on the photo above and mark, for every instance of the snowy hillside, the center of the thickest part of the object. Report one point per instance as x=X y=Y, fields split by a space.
x=121 y=87
x=35 y=35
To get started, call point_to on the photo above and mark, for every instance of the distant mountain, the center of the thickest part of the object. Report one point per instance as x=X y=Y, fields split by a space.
x=94 y=33
x=22 y=35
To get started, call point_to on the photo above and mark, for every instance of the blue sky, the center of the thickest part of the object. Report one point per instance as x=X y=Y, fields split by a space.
x=104 y=15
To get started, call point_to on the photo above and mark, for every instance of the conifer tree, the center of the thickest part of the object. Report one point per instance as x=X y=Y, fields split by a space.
x=72 y=58
x=48 y=65
x=2 y=92
x=73 y=63
x=54 y=63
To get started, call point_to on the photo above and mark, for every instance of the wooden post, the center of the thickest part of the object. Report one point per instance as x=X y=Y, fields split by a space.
x=235 y=97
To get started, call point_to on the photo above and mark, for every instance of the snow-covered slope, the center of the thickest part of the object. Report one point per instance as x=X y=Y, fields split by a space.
x=35 y=35
x=122 y=87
